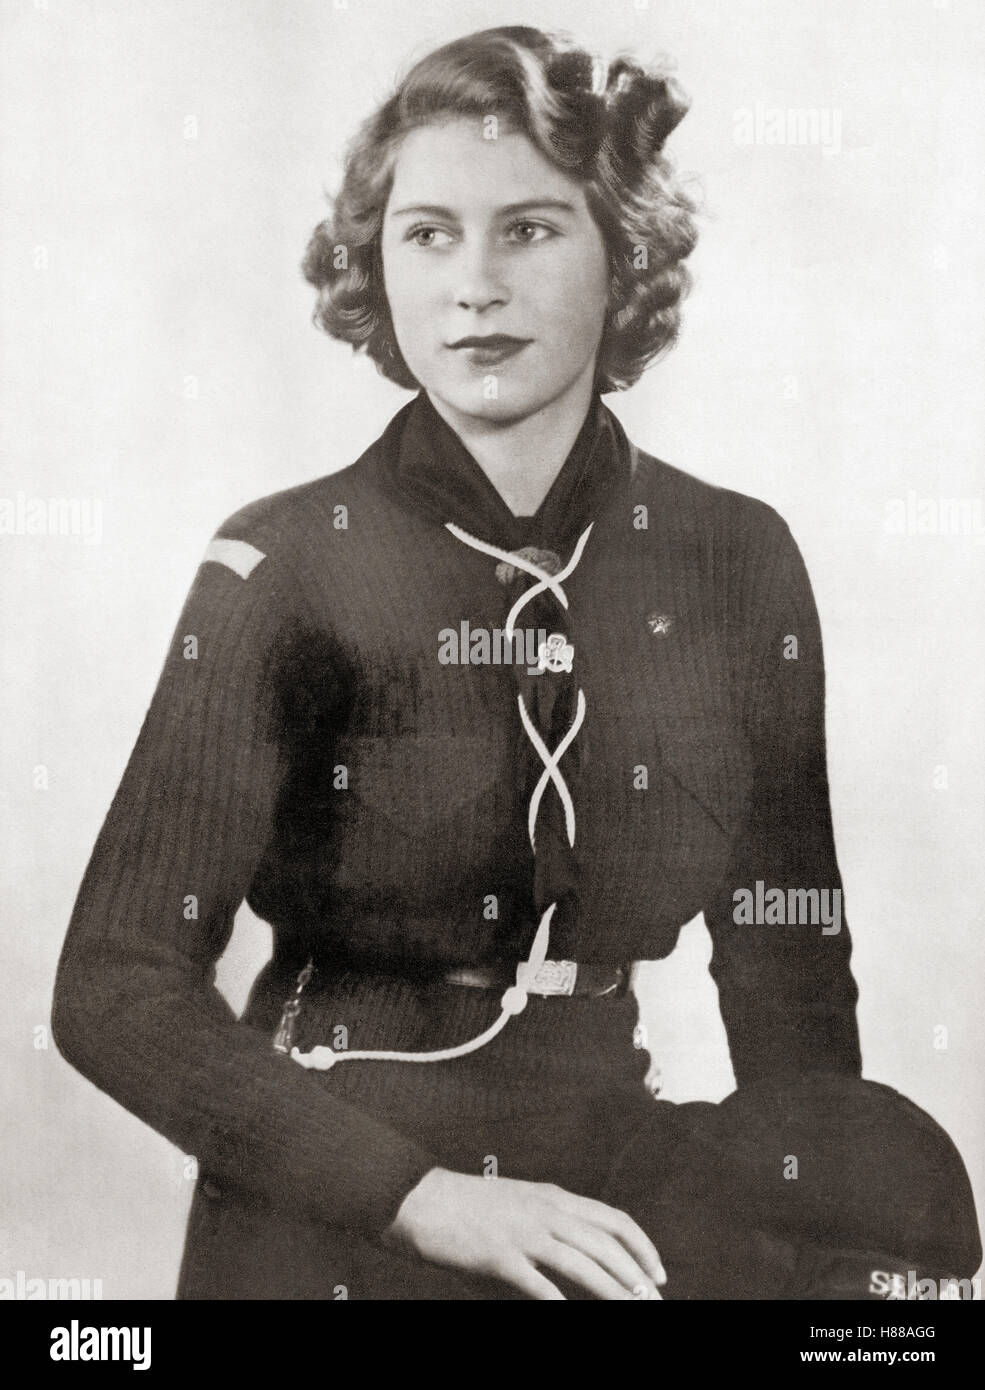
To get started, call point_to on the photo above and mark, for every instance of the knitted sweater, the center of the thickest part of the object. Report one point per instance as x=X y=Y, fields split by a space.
x=312 y=749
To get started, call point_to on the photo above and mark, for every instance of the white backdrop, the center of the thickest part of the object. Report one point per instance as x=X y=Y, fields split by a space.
x=162 y=167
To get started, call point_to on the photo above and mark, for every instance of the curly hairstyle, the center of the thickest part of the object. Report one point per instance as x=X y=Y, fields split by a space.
x=603 y=125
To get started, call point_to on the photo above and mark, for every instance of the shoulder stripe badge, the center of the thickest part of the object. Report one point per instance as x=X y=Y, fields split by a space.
x=239 y=556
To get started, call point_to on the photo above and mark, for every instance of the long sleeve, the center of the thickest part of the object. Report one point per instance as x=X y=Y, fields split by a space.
x=781 y=945
x=135 y=1005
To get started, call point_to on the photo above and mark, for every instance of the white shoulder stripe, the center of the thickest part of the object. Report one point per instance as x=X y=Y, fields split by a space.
x=239 y=556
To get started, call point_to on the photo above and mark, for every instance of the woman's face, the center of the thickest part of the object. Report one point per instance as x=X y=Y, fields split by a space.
x=485 y=239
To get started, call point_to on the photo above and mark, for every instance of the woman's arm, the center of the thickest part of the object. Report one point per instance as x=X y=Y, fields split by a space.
x=135 y=1006
x=786 y=989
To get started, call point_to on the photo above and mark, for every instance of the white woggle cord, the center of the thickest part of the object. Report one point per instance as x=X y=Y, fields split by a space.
x=551 y=773
x=514 y=1000
x=520 y=562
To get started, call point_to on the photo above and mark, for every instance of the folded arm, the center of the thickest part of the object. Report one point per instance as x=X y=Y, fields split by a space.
x=135 y=1006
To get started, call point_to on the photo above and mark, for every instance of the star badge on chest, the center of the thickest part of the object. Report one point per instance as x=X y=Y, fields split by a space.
x=659 y=623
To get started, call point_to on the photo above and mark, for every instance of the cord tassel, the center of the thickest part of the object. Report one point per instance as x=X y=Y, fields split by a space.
x=284 y=1036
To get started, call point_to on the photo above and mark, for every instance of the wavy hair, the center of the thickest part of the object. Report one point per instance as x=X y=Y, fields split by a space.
x=603 y=125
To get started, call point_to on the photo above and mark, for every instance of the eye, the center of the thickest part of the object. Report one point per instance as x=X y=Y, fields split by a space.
x=531 y=232
x=426 y=236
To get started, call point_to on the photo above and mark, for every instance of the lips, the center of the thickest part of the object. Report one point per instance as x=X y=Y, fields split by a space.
x=489 y=349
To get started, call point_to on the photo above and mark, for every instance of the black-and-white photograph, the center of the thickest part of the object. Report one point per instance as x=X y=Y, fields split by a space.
x=493 y=542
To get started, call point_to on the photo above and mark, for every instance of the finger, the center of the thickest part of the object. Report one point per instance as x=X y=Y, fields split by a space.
x=640 y=1246
x=582 y=1270
x=622 y=1226
x=602 y=1247
x=530 y=1281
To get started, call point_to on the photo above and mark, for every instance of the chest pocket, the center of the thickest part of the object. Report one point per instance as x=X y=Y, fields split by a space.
x=421 y=783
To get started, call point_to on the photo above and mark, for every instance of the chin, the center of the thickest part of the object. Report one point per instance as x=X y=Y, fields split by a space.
x=516 y=399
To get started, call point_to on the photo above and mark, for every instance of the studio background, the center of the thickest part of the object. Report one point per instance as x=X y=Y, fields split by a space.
x=162 y=168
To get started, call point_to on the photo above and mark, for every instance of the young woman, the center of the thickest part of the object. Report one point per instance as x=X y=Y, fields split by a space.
x=476 y=723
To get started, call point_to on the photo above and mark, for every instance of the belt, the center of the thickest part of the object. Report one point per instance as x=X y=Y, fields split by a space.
x=563 y=977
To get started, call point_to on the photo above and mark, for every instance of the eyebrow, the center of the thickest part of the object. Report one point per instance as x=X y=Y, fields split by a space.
x=531 y=205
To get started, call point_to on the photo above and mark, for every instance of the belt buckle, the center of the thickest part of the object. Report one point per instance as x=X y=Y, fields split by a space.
x=555 y=977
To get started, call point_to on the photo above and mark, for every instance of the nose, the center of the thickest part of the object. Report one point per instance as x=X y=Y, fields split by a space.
x=480 y=282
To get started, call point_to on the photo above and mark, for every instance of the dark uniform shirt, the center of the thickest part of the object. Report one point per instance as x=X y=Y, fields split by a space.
x=371 y=801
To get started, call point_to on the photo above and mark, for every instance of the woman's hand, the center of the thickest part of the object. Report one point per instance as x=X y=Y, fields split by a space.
x=521 y=1232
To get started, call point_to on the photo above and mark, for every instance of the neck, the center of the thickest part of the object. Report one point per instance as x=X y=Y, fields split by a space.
x=521 y=458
